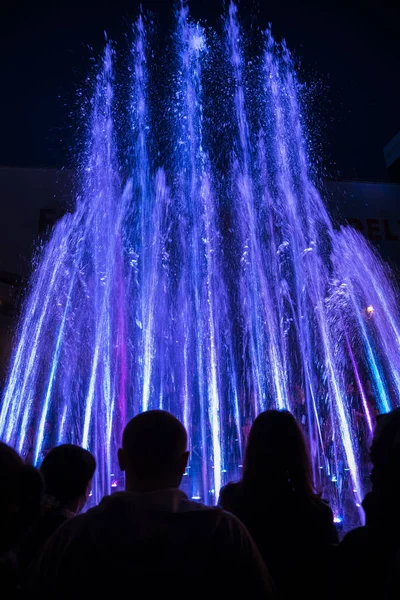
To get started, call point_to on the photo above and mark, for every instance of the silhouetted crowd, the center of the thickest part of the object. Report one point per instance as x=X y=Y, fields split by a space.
x=271 y=536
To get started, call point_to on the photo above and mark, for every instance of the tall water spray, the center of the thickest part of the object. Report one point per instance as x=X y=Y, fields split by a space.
x=213 y=285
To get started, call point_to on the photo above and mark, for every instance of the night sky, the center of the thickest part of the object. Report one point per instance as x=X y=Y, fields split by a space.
x=349 y=56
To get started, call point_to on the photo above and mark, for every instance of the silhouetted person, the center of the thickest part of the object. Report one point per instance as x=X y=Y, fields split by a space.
x=370 y=555
x=151 y=540
x=21 y=489
x=292 y=527
x=67 y=471
x=392 y=579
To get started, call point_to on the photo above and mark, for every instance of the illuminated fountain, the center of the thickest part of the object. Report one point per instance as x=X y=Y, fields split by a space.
x=200 y=273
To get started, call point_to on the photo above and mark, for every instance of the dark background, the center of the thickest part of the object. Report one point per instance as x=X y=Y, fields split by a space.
x=349 y=55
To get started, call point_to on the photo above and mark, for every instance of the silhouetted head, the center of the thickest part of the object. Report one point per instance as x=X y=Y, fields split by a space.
x=67 y=471
x=385 y=452
x=153 y=452
x=21 y=491
x=276 y=454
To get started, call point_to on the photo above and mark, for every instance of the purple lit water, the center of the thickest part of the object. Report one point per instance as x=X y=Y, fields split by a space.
x=201 y=273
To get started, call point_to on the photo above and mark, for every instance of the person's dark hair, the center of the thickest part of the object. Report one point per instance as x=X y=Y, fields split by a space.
x=277 y=455
x=385 y=451
x=67 y=471
x=153 y=441
x=21 y=492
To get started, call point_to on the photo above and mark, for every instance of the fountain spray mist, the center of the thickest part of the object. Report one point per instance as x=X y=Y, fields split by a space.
x=200 y=273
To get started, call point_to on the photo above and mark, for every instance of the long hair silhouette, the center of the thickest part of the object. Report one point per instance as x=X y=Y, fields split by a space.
x=277 y=456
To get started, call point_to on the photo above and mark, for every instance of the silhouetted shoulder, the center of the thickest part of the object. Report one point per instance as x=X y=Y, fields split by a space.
x=54 y=558
x=355 y=537
x=160 y=548
x=237 y=553
x=321 y=516
x=322 y=507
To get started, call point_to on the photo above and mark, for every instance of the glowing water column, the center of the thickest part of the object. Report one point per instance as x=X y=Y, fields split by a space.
x=200 y=273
